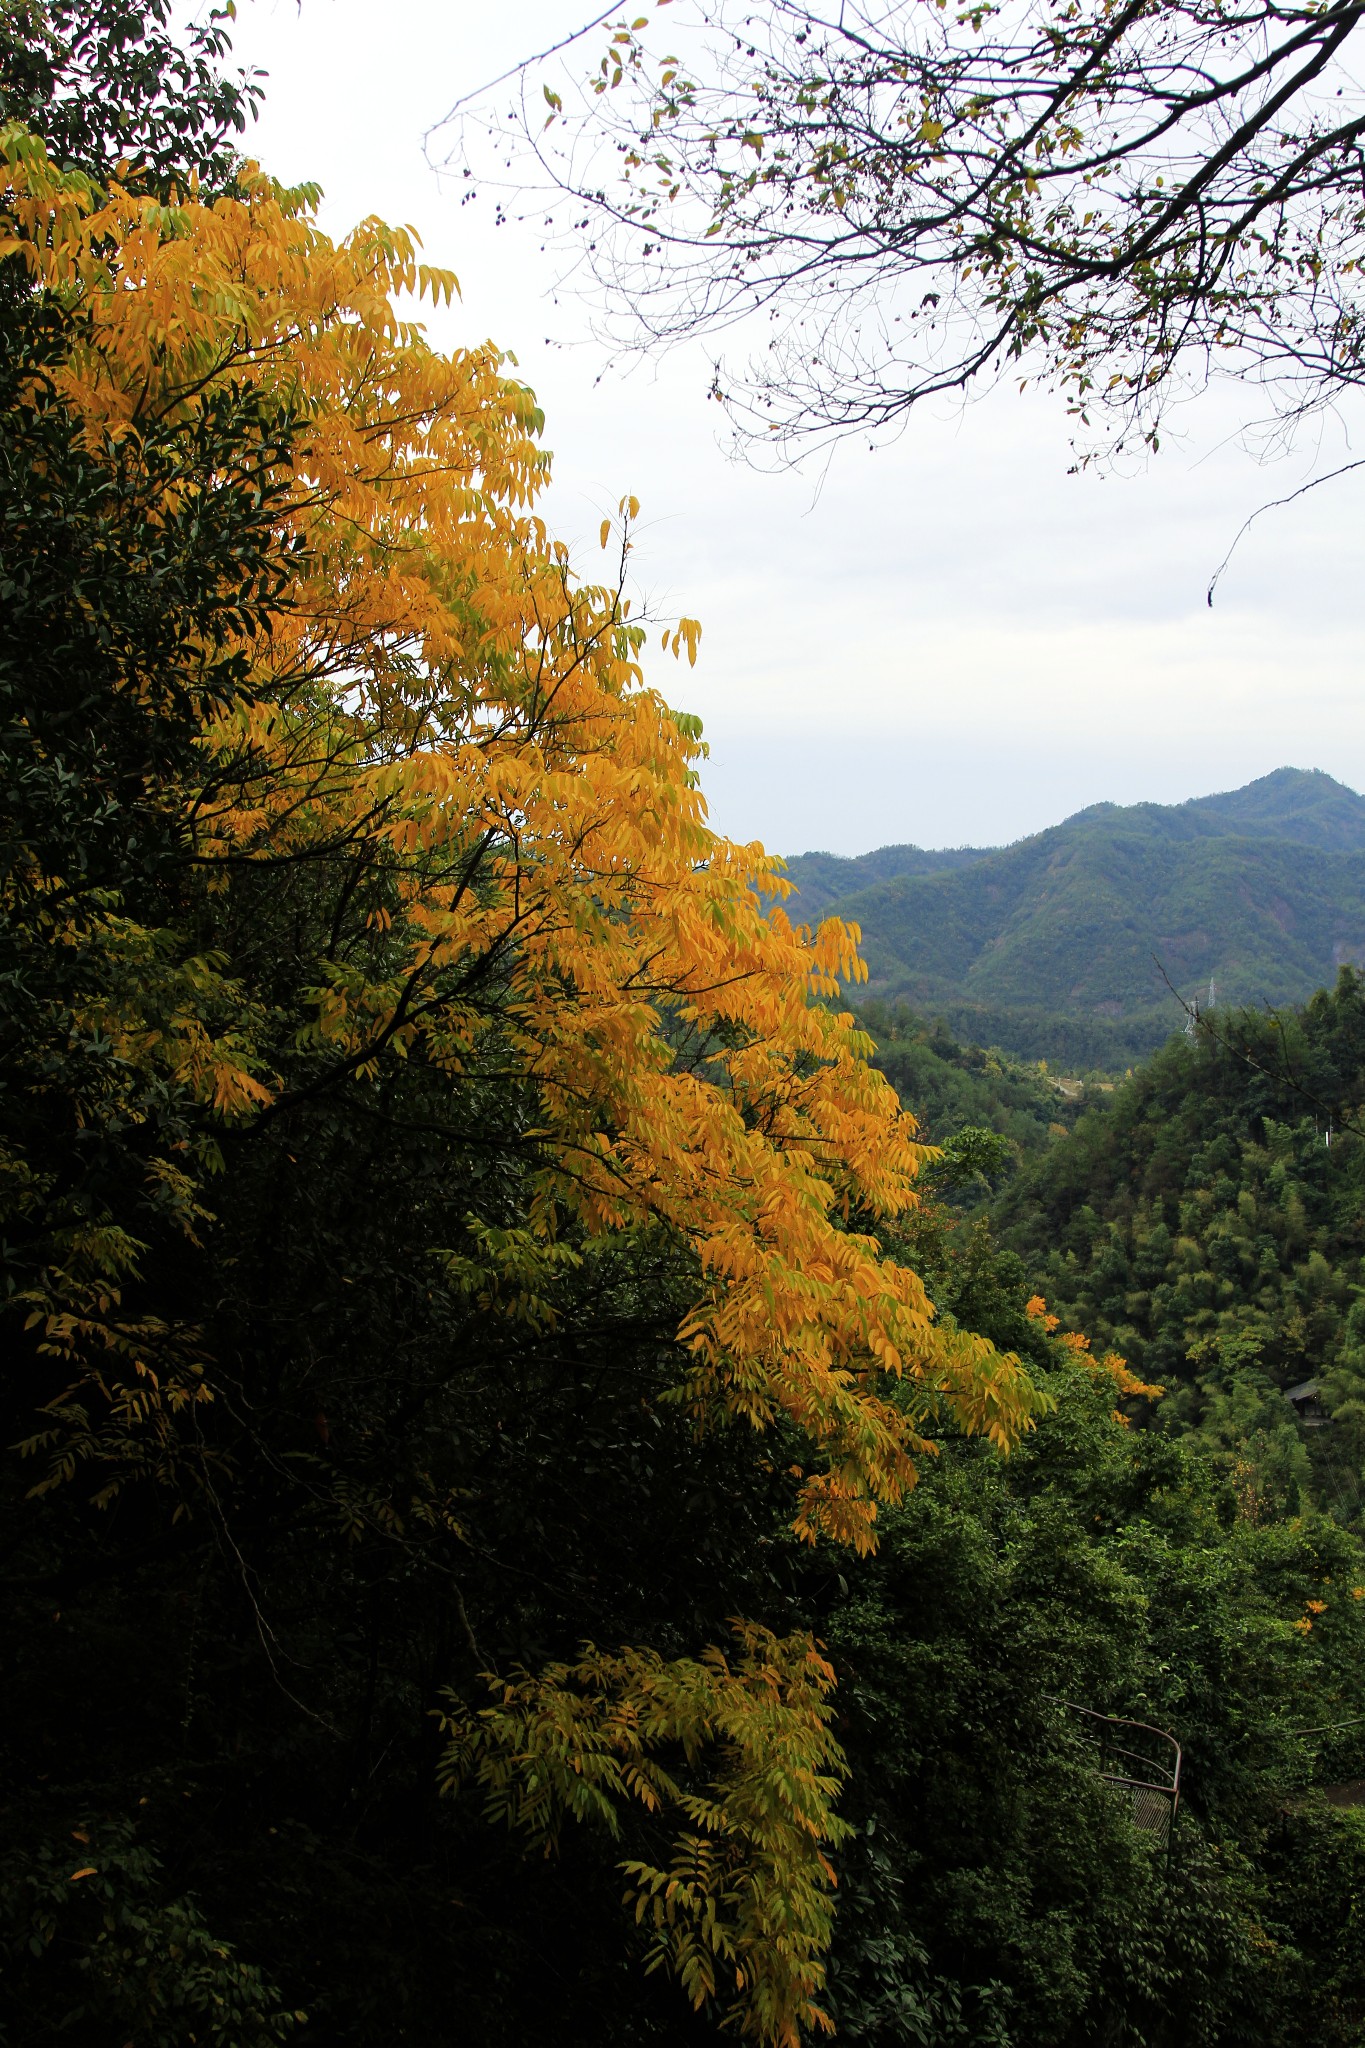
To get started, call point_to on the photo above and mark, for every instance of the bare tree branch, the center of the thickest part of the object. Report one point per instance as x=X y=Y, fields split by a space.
x=1273 y=506
x=899 y=201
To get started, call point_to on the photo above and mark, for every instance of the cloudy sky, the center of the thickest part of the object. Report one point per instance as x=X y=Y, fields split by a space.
x=950 y=641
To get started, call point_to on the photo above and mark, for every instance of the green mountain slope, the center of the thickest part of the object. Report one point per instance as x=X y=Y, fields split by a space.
x=1207 y=1220
x=1308 y=807
x=1061 y=945
x=824 y=878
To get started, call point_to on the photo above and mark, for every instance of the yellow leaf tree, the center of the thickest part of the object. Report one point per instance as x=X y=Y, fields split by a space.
x=430 y=703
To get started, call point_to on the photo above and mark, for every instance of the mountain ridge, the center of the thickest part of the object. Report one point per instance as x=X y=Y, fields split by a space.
x=1261 y=889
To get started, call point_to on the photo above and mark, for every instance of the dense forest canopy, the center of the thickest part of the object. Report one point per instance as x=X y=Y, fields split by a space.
x=534 y=1505
x=1208 y=1220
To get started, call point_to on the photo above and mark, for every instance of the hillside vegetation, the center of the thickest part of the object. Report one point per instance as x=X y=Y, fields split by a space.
x=1207 y=1220
x=533 y=1507
x=1062 y=945
x=954 y=1086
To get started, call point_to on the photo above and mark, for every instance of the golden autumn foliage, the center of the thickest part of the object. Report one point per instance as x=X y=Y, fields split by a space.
x=442 y=687
x=544 y=907
x=736 y=1753
x=1127 y=1385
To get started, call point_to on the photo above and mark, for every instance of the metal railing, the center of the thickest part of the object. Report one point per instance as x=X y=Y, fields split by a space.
x=1152 y=1783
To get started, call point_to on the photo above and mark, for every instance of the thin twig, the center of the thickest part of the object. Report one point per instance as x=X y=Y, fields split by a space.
x=524 y=64
x=1274 y=506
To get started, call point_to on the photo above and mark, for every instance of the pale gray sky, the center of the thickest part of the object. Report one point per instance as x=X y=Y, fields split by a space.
x=952 y=641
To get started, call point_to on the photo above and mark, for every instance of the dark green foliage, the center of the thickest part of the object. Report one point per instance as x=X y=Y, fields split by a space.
x=1146 y=1572
x=1201 y=1223
x=1056 y=947
x=1317 y=1859
x=104 y=81
x=1110 y=1568
x=113 y=629
x=116 y=1948
x=952 y=1087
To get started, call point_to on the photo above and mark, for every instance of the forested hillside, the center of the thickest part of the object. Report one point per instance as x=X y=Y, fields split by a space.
x=533 y=1507
x=954 y=1086
x=821 y=879
x=1207 y=1220
x=1062 y=946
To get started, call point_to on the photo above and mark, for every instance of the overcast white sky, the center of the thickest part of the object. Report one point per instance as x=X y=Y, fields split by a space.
x=953 y=641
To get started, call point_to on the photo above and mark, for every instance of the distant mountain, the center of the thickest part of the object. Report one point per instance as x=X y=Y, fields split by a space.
x=824 y=878
x=1294 y=803
x=1056 y=946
